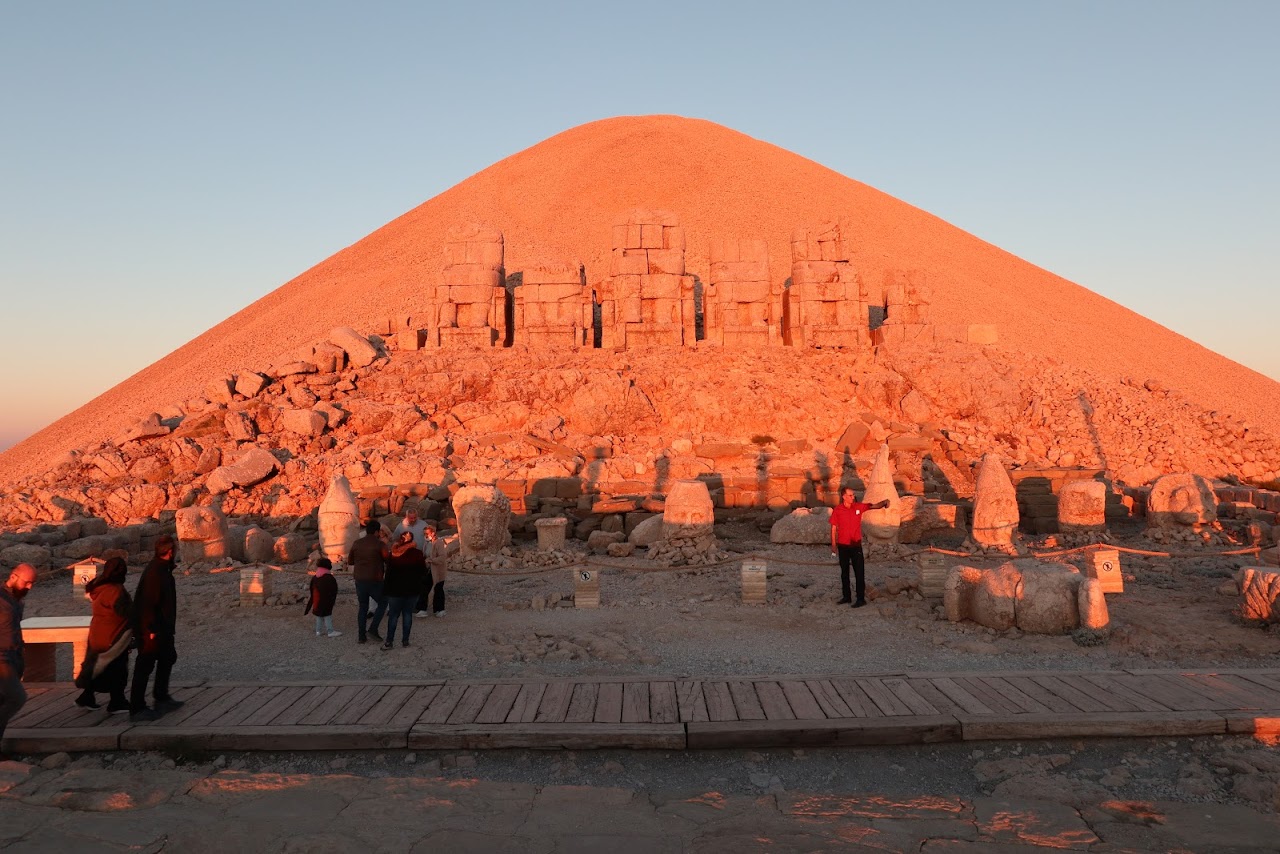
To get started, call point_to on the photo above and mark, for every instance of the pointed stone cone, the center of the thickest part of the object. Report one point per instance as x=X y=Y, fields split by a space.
x=338 y=520
x=882 y=525
x=995 y=505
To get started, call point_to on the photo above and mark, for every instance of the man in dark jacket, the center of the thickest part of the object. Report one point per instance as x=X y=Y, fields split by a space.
x=368 y=564
x=12 y=592
x=155 y=605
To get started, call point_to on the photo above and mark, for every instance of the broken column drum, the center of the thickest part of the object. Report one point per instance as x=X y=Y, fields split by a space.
x=551 y=533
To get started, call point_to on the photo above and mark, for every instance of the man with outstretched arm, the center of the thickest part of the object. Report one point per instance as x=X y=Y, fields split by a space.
x=846 y=543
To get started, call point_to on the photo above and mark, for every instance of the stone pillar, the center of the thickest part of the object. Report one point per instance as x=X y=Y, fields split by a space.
x=825 y=305
x=647 y=300
x=1082 y=507
x=552 y=307
x=551 y=533
x=740 y=306
x=906 y=308
x=470 y=303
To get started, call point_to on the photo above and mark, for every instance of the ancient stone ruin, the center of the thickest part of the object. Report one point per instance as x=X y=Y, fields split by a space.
x=553 y=308
x=824 y=305
x=469 y=308
x=1042 y=598
x=647 y=299
x=742 y=307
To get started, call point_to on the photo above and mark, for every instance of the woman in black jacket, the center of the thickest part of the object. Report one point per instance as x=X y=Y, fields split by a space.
x=406 y=572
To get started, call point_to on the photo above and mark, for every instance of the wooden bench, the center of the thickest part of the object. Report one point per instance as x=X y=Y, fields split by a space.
x=39 y=636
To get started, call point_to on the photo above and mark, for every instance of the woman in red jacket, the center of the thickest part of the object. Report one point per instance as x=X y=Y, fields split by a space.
x=324 y=592
x=106 y=663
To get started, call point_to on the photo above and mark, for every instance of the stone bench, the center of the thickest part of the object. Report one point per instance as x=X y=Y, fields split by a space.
x=39 y=637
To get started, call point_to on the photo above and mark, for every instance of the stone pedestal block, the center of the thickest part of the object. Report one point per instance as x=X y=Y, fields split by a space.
x=551 y=533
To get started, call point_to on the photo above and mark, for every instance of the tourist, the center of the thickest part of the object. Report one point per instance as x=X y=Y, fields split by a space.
x=368 y=560
x=106 y=662
x=846 y=543
x=406 y=573
x=418 y=527
x=437 y=570
x=12 y=694
x=324 y=592
x=155 y=608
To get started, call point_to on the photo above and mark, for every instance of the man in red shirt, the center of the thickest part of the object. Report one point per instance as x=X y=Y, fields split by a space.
x=846 y=543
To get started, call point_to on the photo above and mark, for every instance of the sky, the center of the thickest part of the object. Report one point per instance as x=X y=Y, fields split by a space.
x=163 y=165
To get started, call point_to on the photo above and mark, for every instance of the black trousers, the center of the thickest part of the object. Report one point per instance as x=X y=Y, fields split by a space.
x=851 y=555
x=161 y=661
x=437 y=602
x=113 y=679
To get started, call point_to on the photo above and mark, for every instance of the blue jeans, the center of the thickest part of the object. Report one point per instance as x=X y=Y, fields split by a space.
x=398 y=607
x=366 y=590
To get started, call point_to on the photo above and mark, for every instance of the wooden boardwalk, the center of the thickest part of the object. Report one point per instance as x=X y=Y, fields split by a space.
x=667 y=713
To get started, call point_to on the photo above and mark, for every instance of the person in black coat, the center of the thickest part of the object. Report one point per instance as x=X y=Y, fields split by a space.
x=324 y=592
x=106 y=661
x=155 y=618
x=406 y=572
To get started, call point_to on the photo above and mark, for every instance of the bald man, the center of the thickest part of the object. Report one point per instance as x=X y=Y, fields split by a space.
x=12 y=694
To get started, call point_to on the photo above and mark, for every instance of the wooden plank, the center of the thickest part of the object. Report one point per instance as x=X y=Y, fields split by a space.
x=419 y=704
x=1074 y=696
x=564 y=736
x=940 y=701
x=498 y=706
x=1244 y=698
x=1254 y=679
x=391 y=702
x=255 y=701
x=555 y=703
x=279 y=704
x=801 y=700
x=720 y=705
x=1112 y=701
x=663 y=707
x=1114 y=686
x=746 y=705
x=37 y=700
x=885 y=700
x=441 y=706
x=988 y=697
x=40 y=716
x=192 y=705
x=301 y=737
x=336 y=702
x=962 y=698
x=856 y=699
x=1171 y=694
x=296 y=712
x=1191 y=696
x=366 y=699
x=828 y=698
x=774 y=702
x=1264 y=678
x=473 y=700
x=909 y=697
x=691 y=702
x=80 y=739
x=582 y=705
x=635 y=702
x=823 y=733
x=608 y=703
x=1098 y=724
x=1020 y=700
x=76 y=717
x=1045 y=698
x=525 y=709
x=210 y=712
x=1264 y=725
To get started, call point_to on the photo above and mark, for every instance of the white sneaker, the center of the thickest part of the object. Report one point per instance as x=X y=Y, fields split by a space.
x=318 y=634
x=439 y=613
x=419 y=613
x=335 y=634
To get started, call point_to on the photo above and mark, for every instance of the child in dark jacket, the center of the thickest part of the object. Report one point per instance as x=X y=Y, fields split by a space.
x=324 y=592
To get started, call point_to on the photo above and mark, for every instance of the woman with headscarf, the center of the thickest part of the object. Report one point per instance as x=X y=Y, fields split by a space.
x=406 y=572
x=324 y=592
x=106 y=662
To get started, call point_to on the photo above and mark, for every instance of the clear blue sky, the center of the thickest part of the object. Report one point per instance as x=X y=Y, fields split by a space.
x=162 y=165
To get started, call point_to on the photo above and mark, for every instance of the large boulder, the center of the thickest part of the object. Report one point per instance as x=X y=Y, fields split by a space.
x=647 y=532
x=882 y=525
x=689 y=511
x=1082 y=507
x=339 y=520
x=259 y=546
x=483 y=515
x=1259 y=594
x=304 y=422
x=1181 y=501
x=202 y=534
x=291 y=548
x=37 y=556
x=358 y=349
x=804 y=525
x=254 y=466
x=995 y=505
x=1040 y=598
